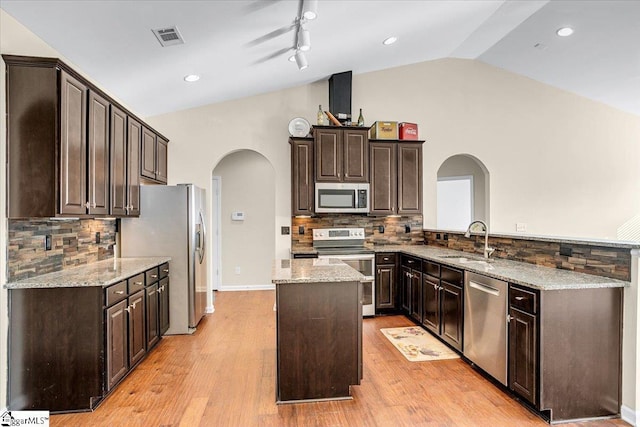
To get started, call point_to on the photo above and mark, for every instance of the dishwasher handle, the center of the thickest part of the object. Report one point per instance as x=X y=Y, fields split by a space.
x=484 y=288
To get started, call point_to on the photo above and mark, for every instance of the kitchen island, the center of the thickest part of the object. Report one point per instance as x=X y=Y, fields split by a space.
x=318 y=329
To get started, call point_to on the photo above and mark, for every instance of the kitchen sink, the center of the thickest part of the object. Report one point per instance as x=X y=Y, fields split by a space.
x=468 y=259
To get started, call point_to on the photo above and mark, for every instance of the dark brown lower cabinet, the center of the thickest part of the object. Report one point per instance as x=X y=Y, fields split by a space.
x=70 y=346
x=117 y=343
x=405 y=290
x=153 y=318
x=522 y=354
x=442 y=302
x=163 y=305
x=416 y=295
x=386 y=283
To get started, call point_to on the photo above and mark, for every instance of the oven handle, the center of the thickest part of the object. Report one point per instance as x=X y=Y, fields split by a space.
x=365 y=257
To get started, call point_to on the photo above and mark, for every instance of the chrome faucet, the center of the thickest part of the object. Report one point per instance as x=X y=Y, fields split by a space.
x=487 y=250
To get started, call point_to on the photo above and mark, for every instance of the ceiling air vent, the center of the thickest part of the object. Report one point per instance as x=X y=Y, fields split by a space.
x=168 y=36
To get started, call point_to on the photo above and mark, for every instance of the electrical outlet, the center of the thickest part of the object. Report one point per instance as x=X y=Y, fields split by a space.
x=437 y=236
x=446 y=236
x=521 y=227
x=301 y=229
x=381 y=229
x=238 y=270
x=47 y=242
x=407 y=228
x=284 y=230
x=97 y=237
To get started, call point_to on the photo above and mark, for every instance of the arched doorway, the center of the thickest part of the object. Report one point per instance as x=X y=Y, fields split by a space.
x=243 y=213
x=462 y=192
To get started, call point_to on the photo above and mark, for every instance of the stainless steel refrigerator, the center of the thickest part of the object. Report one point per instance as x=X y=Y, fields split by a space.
x=172 y=223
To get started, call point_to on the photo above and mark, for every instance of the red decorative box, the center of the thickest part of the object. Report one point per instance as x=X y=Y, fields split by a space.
x=408 y=130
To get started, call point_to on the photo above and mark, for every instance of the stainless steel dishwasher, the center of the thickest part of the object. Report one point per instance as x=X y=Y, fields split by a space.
x=485 y=324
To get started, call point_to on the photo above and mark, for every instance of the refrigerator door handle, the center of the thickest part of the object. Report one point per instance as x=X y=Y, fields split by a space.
x=202 y=235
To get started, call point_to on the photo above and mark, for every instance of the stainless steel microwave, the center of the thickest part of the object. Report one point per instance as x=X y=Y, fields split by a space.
x=342 y=198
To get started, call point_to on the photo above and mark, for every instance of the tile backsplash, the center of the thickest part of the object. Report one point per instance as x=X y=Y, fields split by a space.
x=73 y=243
x=394 y=229
x=591 y=259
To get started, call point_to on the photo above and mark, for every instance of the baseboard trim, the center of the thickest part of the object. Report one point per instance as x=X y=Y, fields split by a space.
x=248 y=288
x=629 y=415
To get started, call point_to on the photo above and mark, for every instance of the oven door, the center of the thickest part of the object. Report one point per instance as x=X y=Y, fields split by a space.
x=365 y=264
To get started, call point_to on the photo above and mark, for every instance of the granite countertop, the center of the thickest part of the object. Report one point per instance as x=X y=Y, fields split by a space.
x=521 y=273
x=314 y=270
x=101 y=273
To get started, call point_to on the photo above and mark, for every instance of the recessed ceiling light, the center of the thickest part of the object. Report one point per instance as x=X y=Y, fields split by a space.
x=564 y=31
x=191 y=78
x=390 y=40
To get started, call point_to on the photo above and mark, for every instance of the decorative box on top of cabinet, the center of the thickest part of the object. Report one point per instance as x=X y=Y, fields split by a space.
x=341 y=153
x=69 y=150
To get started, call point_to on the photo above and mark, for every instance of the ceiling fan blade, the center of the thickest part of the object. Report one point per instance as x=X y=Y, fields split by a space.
x=271 y=35
x=272 y=56
x=260 y=4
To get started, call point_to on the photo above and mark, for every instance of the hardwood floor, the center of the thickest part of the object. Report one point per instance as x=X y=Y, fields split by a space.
x=224 y=375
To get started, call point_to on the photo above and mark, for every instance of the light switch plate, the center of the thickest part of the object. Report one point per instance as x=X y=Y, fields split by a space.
x=521 y=227
x=284 y=230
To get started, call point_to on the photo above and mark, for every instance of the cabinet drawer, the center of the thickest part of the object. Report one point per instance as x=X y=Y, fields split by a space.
x=136 y=283
x=164 y=270
x=152 y=276
x=523 y=300
x=408 y=261
x=453 y=276
x=431 y=268
x=385 y=258
x=115 y=293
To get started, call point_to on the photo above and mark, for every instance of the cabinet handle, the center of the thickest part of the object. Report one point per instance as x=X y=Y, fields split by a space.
x=519 y=298
x=385 y=258
x=87 y=205
x=126 y=209
x=166 y=270
x=154 y=276
x=118 y=292
x=509 y=318
x=440 y=288
x=137 y=283
x=162 y=287
x=435 y=286
x=128 y=309
x=159 y=290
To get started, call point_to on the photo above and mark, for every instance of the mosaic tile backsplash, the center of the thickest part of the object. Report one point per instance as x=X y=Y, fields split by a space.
x=395 y=232
x=73 y=243
x=597 y=260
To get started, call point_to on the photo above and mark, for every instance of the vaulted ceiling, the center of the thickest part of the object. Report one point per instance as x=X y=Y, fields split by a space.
x=241 y=47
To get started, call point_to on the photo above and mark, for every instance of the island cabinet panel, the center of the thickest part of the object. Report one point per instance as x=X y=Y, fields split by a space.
x=56 y=342
x=319 y=340
x=579 y=348
x=302 y=185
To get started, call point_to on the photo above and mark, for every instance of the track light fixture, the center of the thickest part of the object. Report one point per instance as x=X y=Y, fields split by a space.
x=310 y=9
x=301 y=60
x=304 y=39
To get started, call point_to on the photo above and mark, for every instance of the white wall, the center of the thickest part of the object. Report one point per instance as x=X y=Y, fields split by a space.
x=248 y=185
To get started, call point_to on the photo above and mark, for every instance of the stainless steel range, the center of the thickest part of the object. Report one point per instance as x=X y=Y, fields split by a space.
x=347 y=245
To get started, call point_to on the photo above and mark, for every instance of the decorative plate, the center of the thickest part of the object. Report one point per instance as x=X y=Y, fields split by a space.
x=299 y=127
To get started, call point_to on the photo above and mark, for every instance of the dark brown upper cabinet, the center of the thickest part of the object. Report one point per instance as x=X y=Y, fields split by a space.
x=125 y=166
x=154 y=157
x=341 y=154
x=396 y=177
x=302 y=186
x=61 y=132
x=98 y=151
